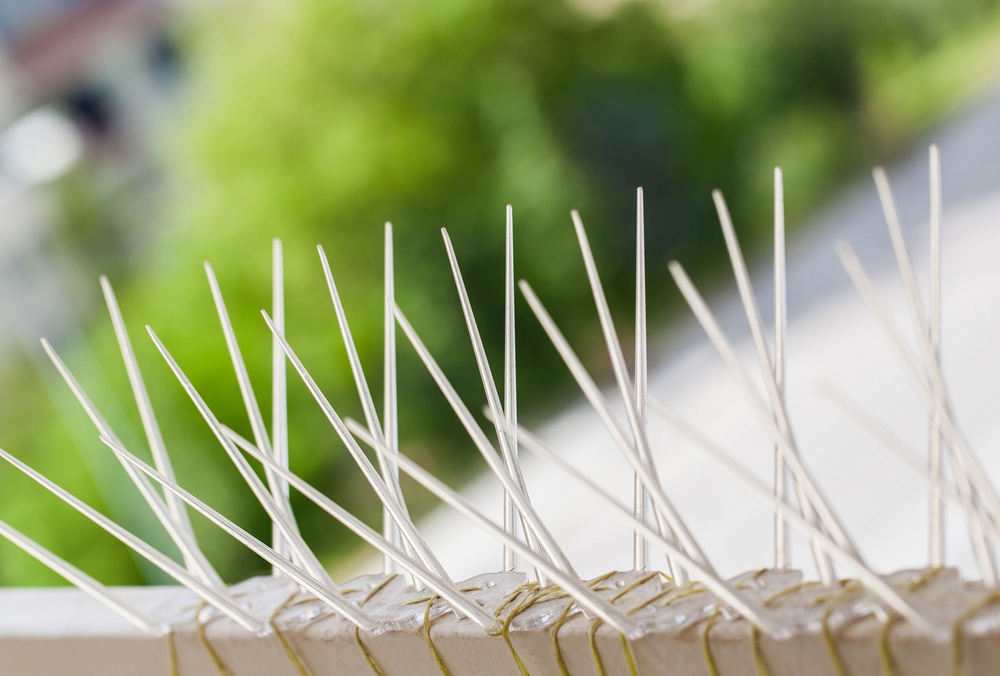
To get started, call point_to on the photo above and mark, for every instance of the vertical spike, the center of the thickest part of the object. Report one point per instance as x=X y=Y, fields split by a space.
x=510 y=515
x=781 y=553
x=640 y=496
x=279 y=390
x=936 y=524
x=390 y=413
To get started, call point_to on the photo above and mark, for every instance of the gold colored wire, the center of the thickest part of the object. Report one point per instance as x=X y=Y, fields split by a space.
x=172 y=653
x=712 y=669
x=357 y=630
x=884 y=651
x=216 y=660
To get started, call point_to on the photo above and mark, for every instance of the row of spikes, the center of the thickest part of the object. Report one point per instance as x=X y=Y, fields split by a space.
x=652 y=517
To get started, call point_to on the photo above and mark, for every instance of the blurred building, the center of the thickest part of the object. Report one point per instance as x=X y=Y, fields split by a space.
x=108 y=67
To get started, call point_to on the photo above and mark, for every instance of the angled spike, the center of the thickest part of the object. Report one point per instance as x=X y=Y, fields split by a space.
x=154 y=437
x=222 y=602
x=875 y=584
x=531 y=518
x=279 y=393
x=669 y=521
x=505 y=435
x=140 y=619
x=278 y=517
x=927 y=352
x=964 y=464
x=193 y=556
x=908 y=457
x=327 y=593
x=782 y=556
x=625 y=386
x=566 y=579
x=279 y=497
x=788 y=450
x=510 y=514
x=747 y=296
x=389 y=474
x=387 y=497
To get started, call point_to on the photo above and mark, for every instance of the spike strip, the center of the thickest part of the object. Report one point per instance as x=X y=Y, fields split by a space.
x=327 y=593
x=876 y=585
x=567 y=580
x=140 y=619
x=406 y=526
x=788 y=450
x=780 y=415
x=389 y=475
x=209 y=594
x=195 y=560
x=288 y=529
x=546 y=542
x=669 y=521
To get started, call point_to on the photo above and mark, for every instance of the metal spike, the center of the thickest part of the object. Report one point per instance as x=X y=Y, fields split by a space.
x=505 y=434
x=782 y=555
x=640 y=496
x=279 y=495
x=150 y=425
x=510 y=514
x=279 y=394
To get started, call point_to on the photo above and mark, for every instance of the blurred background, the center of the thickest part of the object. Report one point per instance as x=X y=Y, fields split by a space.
x=139 y=138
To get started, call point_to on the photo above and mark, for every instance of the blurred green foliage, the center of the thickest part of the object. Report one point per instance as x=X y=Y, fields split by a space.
x=317 y=120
